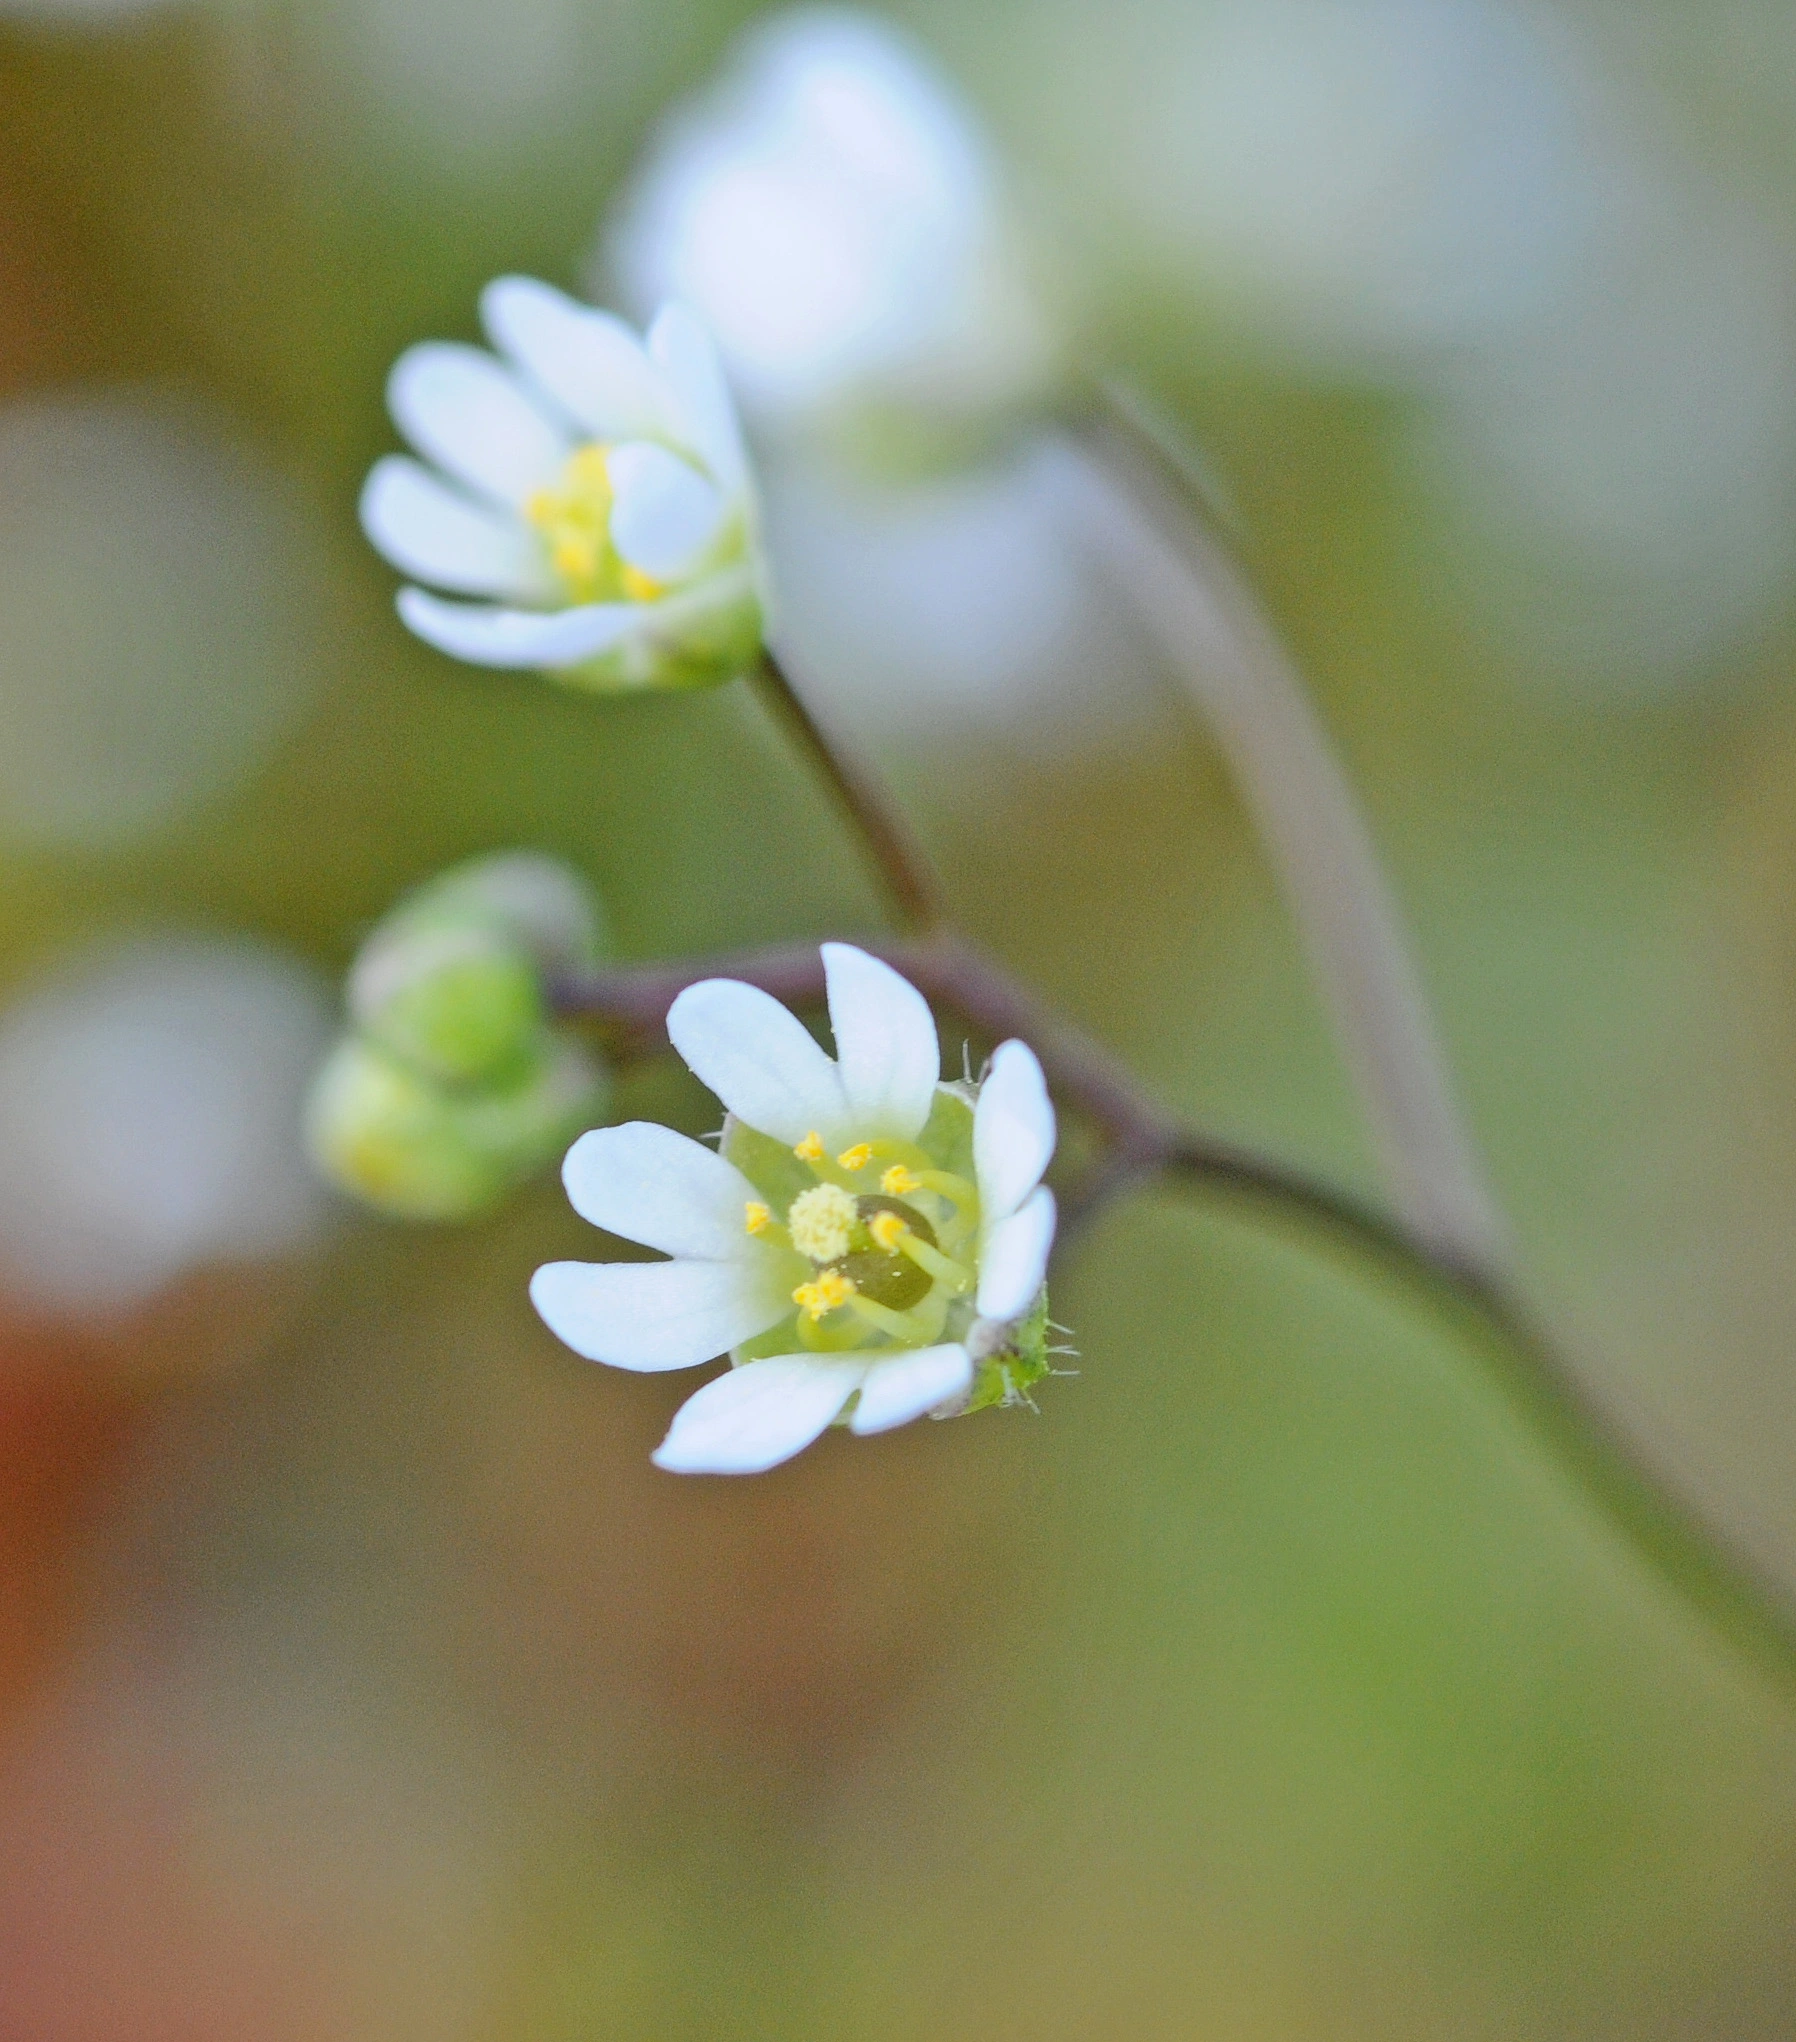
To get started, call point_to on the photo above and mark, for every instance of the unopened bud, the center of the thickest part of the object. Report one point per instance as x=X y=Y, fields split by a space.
x=417 y=1149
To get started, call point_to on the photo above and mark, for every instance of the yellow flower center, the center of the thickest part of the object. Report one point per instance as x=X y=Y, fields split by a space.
x=574 y=517
x=821 y=1222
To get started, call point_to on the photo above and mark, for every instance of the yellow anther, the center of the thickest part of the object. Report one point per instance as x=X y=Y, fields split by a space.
x=821 y=1222
x=756 y=1217
x=887 y=1230
x=898 y=1182
x=640 y=587
x=856 y=1158
x=810 y=1150
x=826 y=1293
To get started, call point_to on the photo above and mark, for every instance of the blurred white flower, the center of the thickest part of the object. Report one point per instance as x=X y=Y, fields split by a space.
x=832 y=210
x=594 y=489
x=955 y=613
x=150 y=1100
x=867 y=1232
x=159 y=607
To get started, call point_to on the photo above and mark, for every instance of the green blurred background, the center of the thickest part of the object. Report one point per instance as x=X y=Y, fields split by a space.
x=359 y=1678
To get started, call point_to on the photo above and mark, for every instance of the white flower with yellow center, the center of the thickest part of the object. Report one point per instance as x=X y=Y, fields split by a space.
x=590 y=486
x=870 y=1242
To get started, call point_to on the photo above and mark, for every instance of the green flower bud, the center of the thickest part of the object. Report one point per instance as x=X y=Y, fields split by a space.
x=459 y=1001
x=452 y=980
x=543 y=905
x=394 y=1138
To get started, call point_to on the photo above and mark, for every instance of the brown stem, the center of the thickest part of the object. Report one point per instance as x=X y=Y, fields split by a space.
x=898 y=861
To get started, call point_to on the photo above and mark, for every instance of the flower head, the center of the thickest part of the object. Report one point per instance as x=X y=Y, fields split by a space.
x=590 y=486
x=833 y=211
x=869 y=1241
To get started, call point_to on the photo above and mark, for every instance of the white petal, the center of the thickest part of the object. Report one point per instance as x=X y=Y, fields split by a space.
x=591 y=364
x=1013 y=1265
x=473 y=419
x=664 y=513
x=683 y=350
x=518 y=638
x=885 y=1043
x=756 y=1416
x=903 y=1388
x=760 y=1060
x=646 y=1183
x=655 y=1315
x=428 y=529
x=1013 y=1131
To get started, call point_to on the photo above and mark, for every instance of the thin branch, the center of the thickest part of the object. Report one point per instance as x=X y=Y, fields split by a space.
x=1140 y=1143
x=898 y=861
x=1137 y=512
x=1698 y=1560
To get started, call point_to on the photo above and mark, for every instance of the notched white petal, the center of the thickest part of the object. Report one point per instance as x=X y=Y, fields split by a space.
x=760 y=1060
x=757 y=1416
x=654 y=1315
x=903 y=1388
x=644 y=1182
x=427 y=529
x=1013 y=1131
x=665 y=515
x=472 y=417
x=486 y=636
x=886 y=1046
x=1014 y=1263
x=589 y=363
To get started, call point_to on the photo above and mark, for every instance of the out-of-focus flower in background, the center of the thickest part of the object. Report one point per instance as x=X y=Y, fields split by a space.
x=453 y=1083
x=594 y=487
x=904 y=1219
x=162 y=598
x=150 y=1097
x=832 y=210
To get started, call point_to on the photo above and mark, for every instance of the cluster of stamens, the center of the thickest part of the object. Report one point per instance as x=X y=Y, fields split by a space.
x=574 y=517
x=884 y=1270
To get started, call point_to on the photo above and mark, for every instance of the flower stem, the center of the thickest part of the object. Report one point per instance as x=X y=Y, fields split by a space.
x=1139 y=1143
x=903 y=869
x=1132 y=505
x=1704 y=1566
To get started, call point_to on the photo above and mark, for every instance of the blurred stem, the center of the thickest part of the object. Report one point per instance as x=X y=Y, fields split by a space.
x=898 y=862
x=1131 y=505
x=1140 y=1144
x=1706 y=1569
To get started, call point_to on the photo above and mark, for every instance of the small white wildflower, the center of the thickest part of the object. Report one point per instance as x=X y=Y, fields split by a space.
x=832 y=209
x=593 y=488
x=869 y=1240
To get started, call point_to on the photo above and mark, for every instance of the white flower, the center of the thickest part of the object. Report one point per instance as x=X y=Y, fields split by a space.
x=592 y=488
x=832 y=210
x=869 y=1240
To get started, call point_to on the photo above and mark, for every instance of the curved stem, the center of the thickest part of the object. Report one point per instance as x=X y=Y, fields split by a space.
x=1139 y=1143
x=1702 y=1564
x=1132 y=506
x=898 y=861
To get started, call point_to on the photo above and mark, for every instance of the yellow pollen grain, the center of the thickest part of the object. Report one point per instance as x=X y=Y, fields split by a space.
x=756 y=1217
x=856 y=1158
x=810 y=1150
x=888 y=1230
x=898 y=1182
x=830 y=1290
